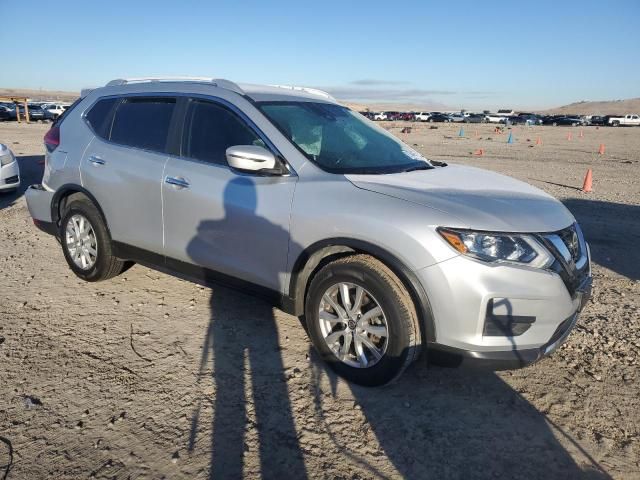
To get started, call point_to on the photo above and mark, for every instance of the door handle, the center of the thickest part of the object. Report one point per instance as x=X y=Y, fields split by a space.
x=96 y=160
x=177 y=182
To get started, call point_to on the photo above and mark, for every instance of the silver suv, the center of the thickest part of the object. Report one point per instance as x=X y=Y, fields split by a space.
x=283 y=192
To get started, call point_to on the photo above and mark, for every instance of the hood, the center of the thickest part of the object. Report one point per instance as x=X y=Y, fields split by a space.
x=474 y=198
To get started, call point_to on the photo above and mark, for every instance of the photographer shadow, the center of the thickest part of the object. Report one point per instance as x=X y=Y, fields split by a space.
x=247 y=368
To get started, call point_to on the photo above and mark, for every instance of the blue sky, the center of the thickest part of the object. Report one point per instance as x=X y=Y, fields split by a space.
x=459 y=53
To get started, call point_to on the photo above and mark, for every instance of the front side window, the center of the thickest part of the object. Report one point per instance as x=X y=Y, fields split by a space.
x=210 y=129
x=143 y=122
x=341 y=141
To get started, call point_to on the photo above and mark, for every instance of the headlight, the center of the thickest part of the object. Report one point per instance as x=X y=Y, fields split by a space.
x=499 y=247
x=6 y=159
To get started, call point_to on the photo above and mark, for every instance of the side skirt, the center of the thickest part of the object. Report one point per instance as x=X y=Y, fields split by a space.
x=200 y=275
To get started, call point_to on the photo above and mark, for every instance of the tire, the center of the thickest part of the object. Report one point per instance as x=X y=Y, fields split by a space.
x=103 y=265
x=383 y=288
x=555 y=124
x=615 y=123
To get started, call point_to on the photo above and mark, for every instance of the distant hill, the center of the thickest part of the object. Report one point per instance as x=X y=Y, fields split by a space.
x=605 y=107
x=37 y=95
x=397 y=107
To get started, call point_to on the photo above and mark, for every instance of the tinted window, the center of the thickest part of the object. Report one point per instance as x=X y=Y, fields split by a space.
x=210 y=129
x=101 y=115
x=143 y=122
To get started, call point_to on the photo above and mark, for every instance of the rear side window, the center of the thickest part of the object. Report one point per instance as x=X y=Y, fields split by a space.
x=143 y=122
x=100 y=117
x=210 y=129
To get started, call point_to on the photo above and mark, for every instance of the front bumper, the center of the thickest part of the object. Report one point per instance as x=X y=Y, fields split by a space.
x=510 y=359
x=9 y=176
x=468 y=298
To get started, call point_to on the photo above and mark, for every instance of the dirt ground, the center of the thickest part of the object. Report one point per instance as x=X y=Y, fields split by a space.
x=148 y=376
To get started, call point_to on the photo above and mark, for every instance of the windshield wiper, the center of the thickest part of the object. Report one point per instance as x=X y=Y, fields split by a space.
x=418 y=167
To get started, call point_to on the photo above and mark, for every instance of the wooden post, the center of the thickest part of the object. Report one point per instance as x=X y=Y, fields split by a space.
x=17 y=105
x=26 y=111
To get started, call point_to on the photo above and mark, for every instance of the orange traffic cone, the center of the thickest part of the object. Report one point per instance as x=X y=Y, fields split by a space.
x=581 y=133
x=586 y=186
x=476 y=135
x=569 y=136
x=479 y=152
x=538 y=141
x=601 y=149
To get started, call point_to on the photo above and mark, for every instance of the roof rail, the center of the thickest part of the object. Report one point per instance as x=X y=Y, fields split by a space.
x=217 y=82
x=312 y=91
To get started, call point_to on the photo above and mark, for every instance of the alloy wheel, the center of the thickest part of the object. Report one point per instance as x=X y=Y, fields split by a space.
x=353 y=325
x=81 y=242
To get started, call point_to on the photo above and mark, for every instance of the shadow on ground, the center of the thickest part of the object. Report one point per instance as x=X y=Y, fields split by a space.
x=613 y=233
x=432 y=423
x=31 y=170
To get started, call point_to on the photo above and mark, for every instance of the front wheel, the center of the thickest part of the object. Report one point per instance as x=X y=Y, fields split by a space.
x=362 y=320
x=86 y=242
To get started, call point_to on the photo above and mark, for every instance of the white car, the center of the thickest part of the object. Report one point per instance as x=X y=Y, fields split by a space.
x=9 y=170
x=617 y=120
x=457 y=117
x=422 y=116
x=55 y=109
x=380 y=116
x=495 y=118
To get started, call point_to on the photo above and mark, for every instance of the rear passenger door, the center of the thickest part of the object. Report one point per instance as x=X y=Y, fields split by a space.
x=217 y=218
x=123 y=166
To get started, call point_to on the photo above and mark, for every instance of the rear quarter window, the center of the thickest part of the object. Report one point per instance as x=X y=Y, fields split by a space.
x=143 y=122
x=100 y=116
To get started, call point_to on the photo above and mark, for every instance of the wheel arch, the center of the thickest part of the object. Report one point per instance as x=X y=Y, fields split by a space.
x=63 y=193
x=322 y=252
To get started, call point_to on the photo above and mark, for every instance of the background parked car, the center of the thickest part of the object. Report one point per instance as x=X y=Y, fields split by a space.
x=457 y=117
x=54 y=109
x=422 y=116
x=616 y=120
x=36 y=112
x=475 y=118
x=380 y=116
x=406 y=116
x=439 y=117
x=10 y=108
x=9 y=170
x=563 y=121
x=5 y=113
x=526 y=119
x=596 y=120
x=495 y=118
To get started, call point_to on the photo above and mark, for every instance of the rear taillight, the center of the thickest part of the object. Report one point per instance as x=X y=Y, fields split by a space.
x=52 y=138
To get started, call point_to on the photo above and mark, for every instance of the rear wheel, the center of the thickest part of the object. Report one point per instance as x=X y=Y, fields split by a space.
x=86 y=242
x=362 y=320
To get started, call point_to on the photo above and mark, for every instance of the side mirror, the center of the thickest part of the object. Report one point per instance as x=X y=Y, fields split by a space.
x=250 y=158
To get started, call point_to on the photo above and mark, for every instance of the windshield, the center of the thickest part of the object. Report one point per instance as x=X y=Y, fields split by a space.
x=341 y=141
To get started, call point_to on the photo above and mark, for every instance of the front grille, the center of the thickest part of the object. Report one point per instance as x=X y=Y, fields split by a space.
x=569 y=237
x=570 y=250
x=10 y=180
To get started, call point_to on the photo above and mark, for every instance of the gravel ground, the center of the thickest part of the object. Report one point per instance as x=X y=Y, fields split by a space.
x=149 y=376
